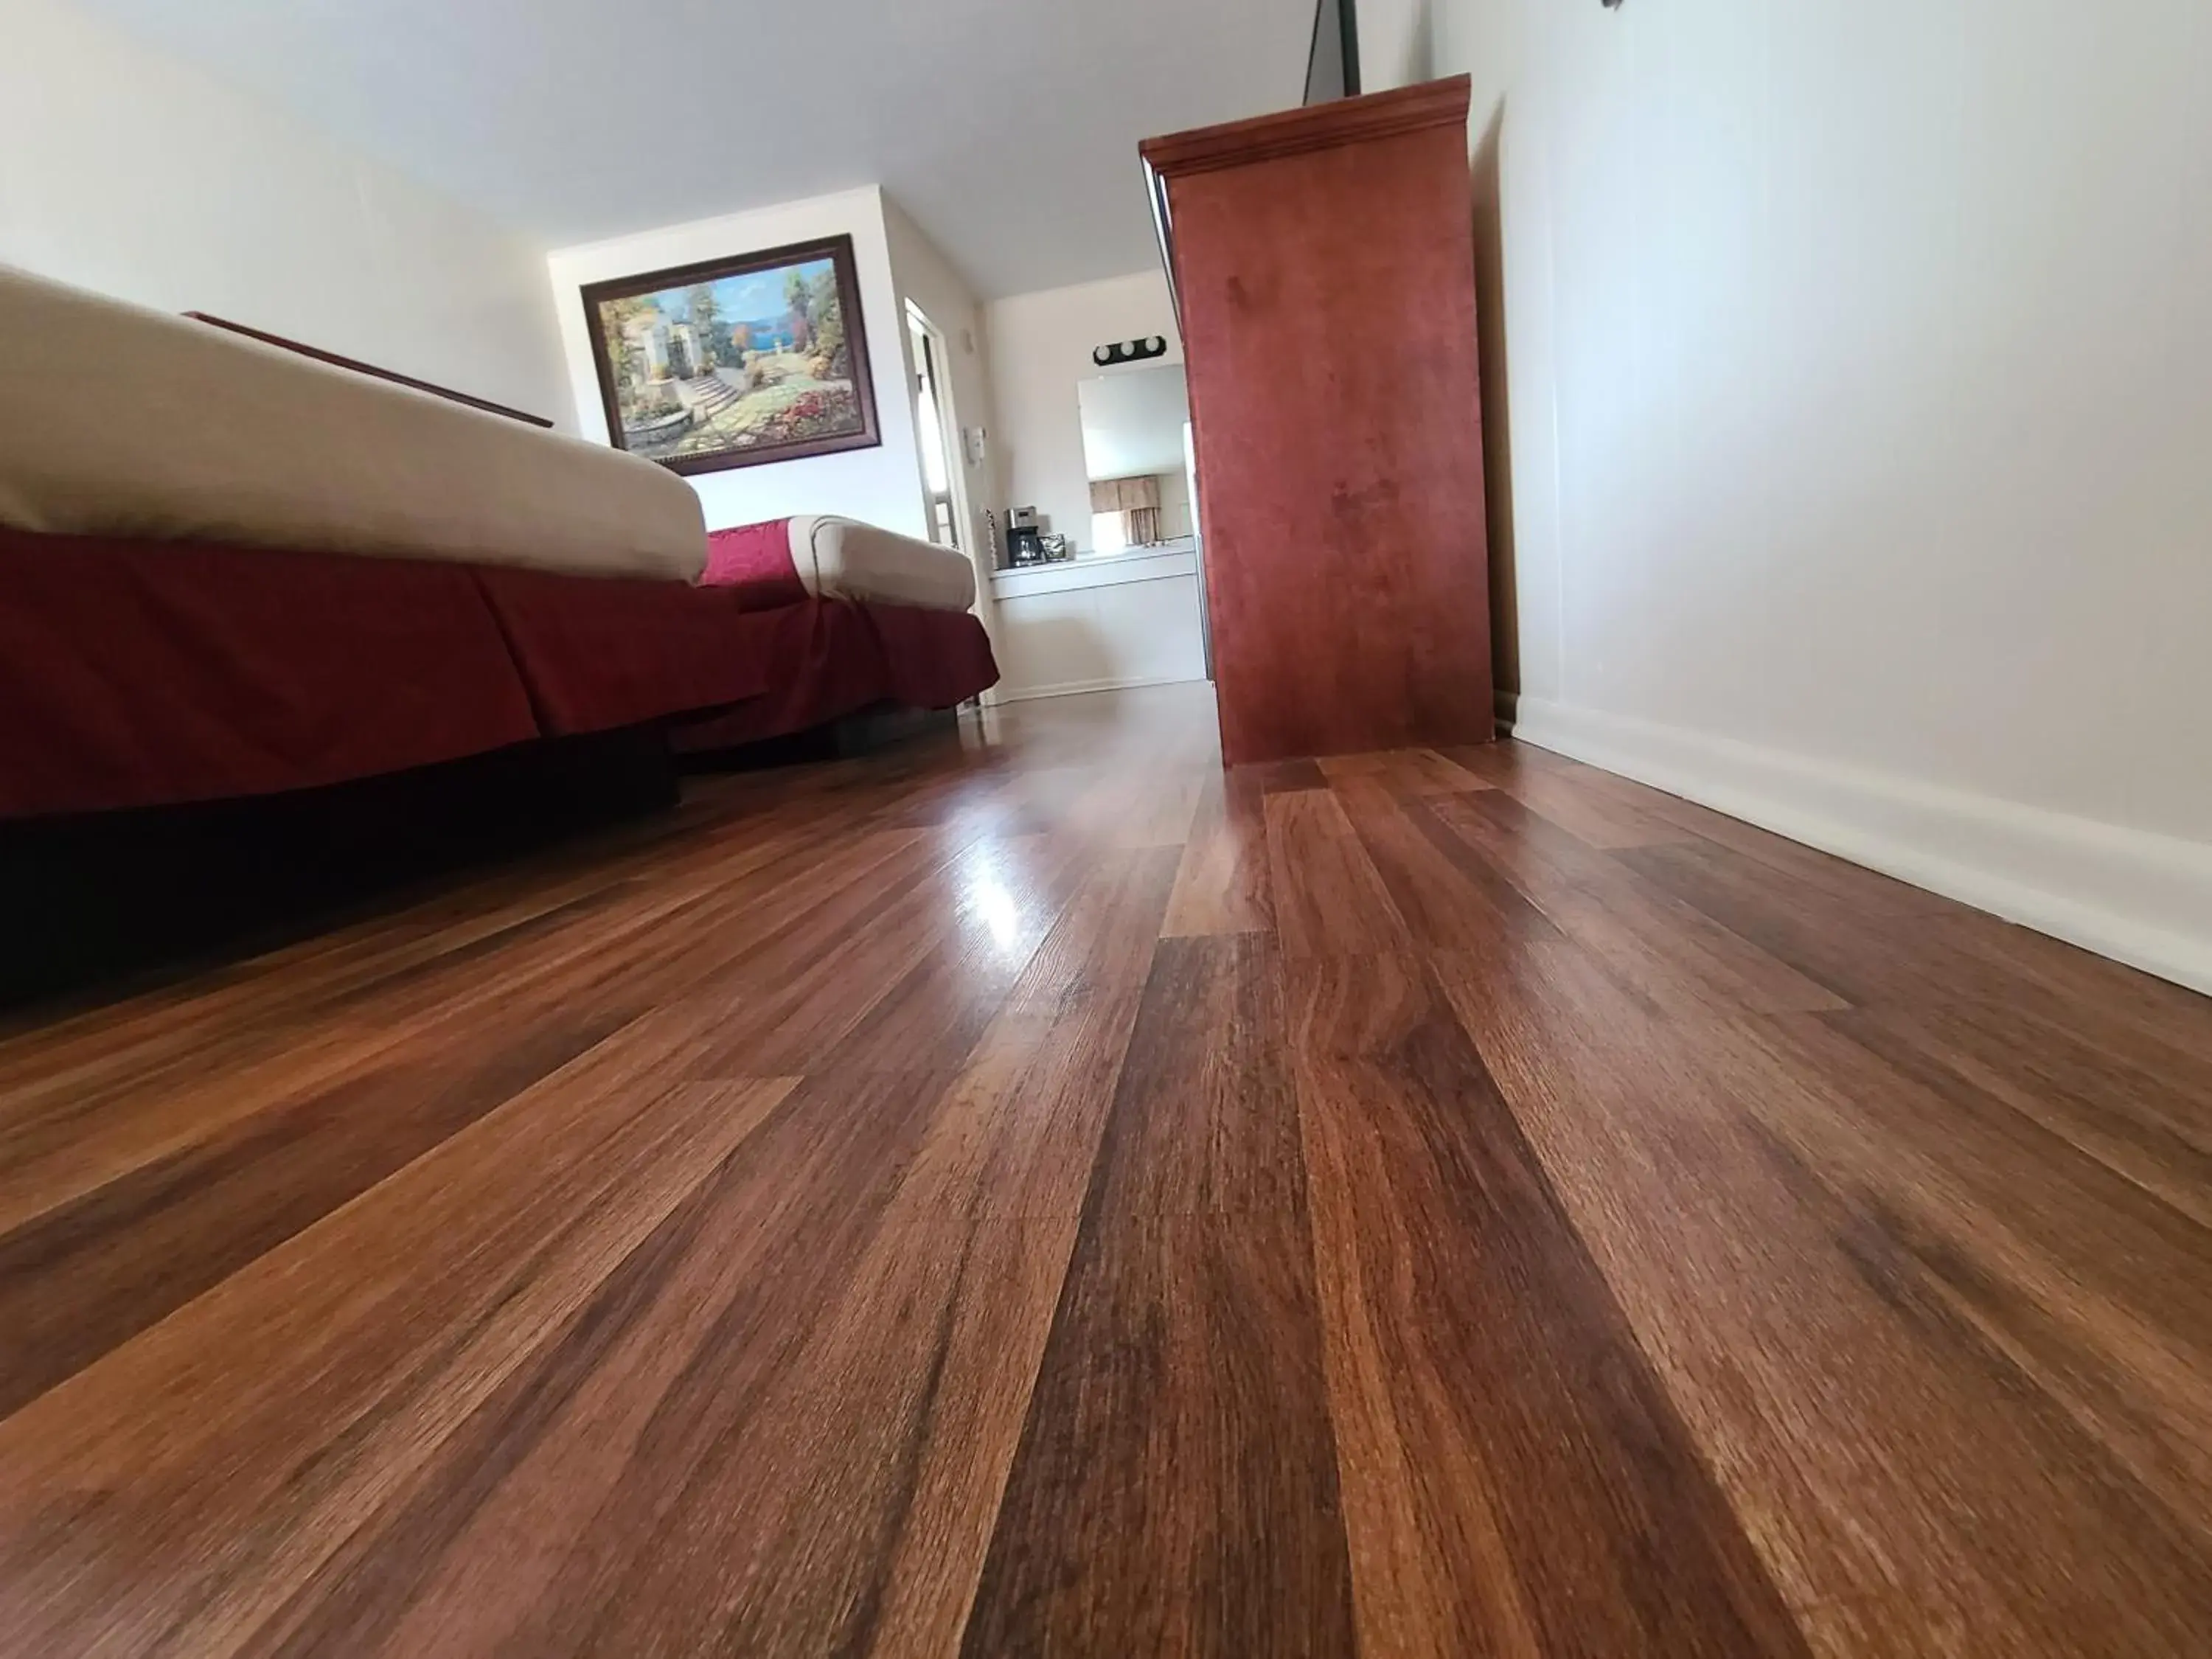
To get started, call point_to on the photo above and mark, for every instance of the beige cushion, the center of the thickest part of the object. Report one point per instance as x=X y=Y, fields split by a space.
x=118 y=421
x=844 y=559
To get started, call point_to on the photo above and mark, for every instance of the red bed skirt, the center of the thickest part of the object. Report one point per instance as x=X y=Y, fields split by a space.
x=135 y=674
x=828 y=659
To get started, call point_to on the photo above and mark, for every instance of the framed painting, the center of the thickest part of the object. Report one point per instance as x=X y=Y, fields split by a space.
x=736 y=363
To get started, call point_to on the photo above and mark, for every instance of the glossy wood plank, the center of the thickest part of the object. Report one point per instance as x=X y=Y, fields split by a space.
x=766 y=1356
x=1166 y=808
x=2156 y=1015
x=1181 y=1399
x=1222 y=884
x=67 y=1130
x=1034 y=1190
x=788 y=1006
x=1672 y=955
x=81 y=1279
x=254 y=1430
x=1000 y=901
x=1482 y=1378
x=1595 y=815
x=2024 y=990
x=1448 y=900
x=2145 y=1123
x=102 y=1113
x=1863 y=955
x=1986 y=1215
x=1832 y=879
x=1019 y=1132
x=613 y=1461
x=1257 y=780
x=1777 y=1306
x=1329 y=896
x=1411 y=771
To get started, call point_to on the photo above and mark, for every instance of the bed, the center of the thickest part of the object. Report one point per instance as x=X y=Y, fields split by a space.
x=228 y=569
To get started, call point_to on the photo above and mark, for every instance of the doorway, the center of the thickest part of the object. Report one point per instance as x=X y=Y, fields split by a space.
x=937 y=434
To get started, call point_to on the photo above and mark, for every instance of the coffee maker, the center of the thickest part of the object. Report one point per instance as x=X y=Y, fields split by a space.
x=1024 y=538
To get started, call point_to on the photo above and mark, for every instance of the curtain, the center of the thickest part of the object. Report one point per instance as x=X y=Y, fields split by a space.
x=1138 y=501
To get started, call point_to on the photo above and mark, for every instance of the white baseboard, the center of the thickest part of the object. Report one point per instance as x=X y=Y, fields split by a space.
x=1077 y=688
x=2142 y=899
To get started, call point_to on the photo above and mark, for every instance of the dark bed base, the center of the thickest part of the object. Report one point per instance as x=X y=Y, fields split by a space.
x=855 y=735
x=118 y=900
x=101 y=905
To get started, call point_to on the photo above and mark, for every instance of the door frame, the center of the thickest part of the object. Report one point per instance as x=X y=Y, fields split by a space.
x=932 y=367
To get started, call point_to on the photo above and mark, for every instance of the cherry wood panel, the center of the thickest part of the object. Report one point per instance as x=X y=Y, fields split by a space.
x=1036 y=1191
x=1325 y=269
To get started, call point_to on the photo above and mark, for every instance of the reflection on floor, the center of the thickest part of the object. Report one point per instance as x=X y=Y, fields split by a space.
x=1032 y=1195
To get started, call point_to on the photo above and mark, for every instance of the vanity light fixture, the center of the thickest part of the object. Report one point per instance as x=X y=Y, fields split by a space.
x=1129 y=351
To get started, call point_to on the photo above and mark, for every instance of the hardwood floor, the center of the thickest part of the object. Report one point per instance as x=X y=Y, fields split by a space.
x=1034 y=1193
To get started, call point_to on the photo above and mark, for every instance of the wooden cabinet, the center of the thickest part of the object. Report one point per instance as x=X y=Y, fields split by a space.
x=1323 y=262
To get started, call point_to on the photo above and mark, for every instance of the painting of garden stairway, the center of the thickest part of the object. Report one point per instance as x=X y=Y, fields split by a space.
x=707 y=397
x=715 y=370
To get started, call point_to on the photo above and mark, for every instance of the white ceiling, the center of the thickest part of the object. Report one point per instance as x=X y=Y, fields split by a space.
x=1007 y=127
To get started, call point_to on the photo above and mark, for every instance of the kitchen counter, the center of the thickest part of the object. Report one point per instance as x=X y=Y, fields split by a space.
x=1094 y=624
x=1137 y=564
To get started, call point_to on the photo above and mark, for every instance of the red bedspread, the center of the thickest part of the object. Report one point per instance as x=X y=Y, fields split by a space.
x=136 y=677
x=139 y=674
x=754 y=561
x=599 y=654
x=828 y=658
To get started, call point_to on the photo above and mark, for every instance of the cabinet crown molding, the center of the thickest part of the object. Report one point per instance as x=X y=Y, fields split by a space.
x=1317 y=126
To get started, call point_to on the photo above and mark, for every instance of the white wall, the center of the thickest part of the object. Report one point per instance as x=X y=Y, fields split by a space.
x=1178 y=512
x=880 y=486
x=1397 y=43
x=1860 y=355
x=1041 y=346
x=127 y=172
x=1080 y=631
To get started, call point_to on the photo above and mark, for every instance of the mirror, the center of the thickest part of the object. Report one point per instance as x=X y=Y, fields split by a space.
x=1135 y=449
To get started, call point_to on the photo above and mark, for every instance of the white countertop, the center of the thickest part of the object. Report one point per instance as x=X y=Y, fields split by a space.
x=1135 y=564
